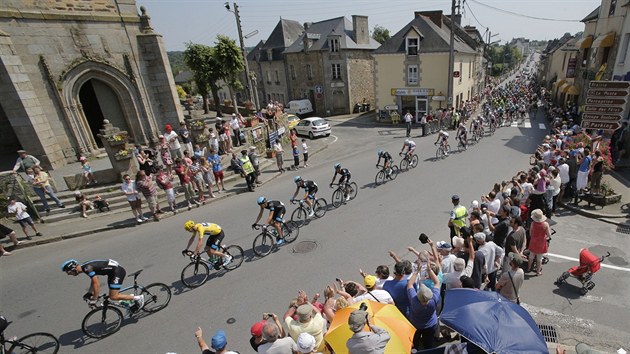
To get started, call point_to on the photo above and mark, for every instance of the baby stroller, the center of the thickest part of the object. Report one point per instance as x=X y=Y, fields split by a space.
x=589 y=265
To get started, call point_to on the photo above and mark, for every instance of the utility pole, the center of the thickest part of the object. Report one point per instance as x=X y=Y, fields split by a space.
x=248 y=84
x=451 y=56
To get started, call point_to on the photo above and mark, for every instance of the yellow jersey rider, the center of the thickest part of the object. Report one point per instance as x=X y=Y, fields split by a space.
x=215 y=236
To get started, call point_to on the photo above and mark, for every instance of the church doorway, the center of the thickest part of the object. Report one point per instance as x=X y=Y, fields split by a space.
x=99 y=102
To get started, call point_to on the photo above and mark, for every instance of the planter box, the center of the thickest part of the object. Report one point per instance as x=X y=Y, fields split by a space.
x=602 y=200
x=271 y=154
x=116 y=143
x=251 y=122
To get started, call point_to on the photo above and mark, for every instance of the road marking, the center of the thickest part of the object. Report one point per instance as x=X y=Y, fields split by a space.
x=336 y=138
x=541 y=126
x=528 y=125
x=514 y=124
x=578 y=261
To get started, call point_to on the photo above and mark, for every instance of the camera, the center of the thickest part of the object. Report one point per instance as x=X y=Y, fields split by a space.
x=423 y=238
x=363 y=306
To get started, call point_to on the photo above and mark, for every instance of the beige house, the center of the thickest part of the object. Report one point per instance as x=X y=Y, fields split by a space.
x=411 y=68
x=621 y=70
x=561 y=69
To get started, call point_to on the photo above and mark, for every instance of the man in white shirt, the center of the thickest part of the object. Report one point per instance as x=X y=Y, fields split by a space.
x=408 y=119
x=372 y=293
x=563 y=172
x=493 y=255
x=173 y=142
x=21 y=216
x=494 y=204
x=235 y=125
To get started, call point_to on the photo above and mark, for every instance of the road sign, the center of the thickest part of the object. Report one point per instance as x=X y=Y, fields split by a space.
x=601 y=125
x=609 y=84
x=599 y=116
x=606 y=93
x=609 y=101
x=319 y=96
x=391 y=107
x=603 y=109
x=319 y=89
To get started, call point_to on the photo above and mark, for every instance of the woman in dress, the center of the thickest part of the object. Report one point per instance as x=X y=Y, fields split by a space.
x=165 y=153
x=538 y=246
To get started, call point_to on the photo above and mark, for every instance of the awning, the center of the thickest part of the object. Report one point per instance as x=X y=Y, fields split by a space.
x=573 y=90
x=604 y=40
x=585 y=42
x=559 y=82
x=563 y=87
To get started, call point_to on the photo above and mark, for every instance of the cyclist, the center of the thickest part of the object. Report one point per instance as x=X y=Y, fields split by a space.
x=310 y=187
x=462 y=134
x=115 y=275
x=388 y=160
x=215 y=237
x=276 y=213
x=344 y=177
x=411 y=147
x=443 y=140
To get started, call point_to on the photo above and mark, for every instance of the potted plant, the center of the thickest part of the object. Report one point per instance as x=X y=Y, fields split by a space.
x=227 y=102
x=117 y=139
x=198 y=124
x=270 y=153
x=123 y=154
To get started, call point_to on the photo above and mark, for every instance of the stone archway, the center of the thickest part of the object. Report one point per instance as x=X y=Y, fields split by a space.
x=107 y=84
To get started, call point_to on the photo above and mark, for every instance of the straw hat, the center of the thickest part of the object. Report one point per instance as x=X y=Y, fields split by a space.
x=538 y=216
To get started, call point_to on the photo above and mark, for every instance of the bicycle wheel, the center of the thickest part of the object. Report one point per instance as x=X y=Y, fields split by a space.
x=100 y=323
x=337 y=198
x=379 y=179
x=320 y=207
x=156 y=297
x=353 y=190
x=439 y=153
x=195 y=274
x=394 y=173
x=263 y=244
x=299 y=216
x=414 y=161
x=237 y=257
x=290 y=231
x=404 y=164
x=36 y=343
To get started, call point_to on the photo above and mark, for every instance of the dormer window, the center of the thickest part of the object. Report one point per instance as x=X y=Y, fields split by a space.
x=334 y=45
x=269 y=54
x=412 y=46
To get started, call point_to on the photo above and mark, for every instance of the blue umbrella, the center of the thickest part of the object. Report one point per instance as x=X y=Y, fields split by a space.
x=492 y=322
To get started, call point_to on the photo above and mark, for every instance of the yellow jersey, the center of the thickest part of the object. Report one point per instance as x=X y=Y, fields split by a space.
x=206 y=228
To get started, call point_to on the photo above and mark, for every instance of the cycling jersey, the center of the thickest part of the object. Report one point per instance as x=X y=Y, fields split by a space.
x=310 y=186
x=206 y=228
x=109 y=267
x=277 y=208
x=386 y=156
x=343 y=172
x=412 y=145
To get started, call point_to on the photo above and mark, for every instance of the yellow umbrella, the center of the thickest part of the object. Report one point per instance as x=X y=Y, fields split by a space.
x=382 y=315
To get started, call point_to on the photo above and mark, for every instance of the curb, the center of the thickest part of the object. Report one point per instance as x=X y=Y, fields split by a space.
x=593 y=214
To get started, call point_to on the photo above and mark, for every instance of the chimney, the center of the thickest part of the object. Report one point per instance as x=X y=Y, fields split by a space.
x=458 y=19
x=360 y=29
x=307 y=25
x=435 y=16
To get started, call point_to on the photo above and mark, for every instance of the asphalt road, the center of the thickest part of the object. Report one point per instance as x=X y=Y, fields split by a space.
x=37 y=296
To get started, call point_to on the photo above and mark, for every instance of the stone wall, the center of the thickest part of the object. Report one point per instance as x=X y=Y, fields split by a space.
x=361 y=86
x=303 y=87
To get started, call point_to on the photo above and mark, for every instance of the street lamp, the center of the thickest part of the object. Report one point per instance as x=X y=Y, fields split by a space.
x=248 y=85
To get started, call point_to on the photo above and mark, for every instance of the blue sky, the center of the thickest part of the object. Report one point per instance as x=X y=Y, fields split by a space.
x=199 y=21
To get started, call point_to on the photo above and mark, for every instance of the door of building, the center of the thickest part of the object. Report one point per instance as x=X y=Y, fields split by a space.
x=422 y=105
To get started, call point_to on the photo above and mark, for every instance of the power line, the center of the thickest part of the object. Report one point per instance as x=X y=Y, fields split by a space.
x=522 y=15
x=473 y=15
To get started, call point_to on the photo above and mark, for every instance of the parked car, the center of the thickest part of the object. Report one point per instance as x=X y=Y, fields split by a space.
x=293 y=120
x=300 y=108
x=314 y=126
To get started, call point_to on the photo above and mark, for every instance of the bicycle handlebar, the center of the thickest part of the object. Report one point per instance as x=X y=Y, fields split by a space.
x=259 y=226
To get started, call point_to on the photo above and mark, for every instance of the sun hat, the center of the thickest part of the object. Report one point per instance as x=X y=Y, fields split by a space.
x=356 y=320
x=306 y=343
x=424 y=294
x=304 y=312
x=538 y=216
x=442 y=245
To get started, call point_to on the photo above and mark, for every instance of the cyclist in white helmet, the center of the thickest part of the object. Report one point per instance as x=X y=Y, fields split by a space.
x=443 y=140
x=410 y=145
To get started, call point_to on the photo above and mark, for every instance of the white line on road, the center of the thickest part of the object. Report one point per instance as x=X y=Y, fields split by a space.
x=528 y=125
x=336 y=138
x=514 y=124
x=541 y=126
x=578 y=261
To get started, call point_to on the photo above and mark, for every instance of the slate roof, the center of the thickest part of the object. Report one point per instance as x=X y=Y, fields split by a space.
x=435 y=39
x=592 y=16
x=336 y=26
x=283 y=35
x=253 y=54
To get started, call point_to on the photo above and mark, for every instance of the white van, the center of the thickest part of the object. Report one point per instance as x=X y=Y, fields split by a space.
x=299 y=107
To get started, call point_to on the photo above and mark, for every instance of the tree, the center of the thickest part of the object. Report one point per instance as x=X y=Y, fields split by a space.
x=380 y=34
x=201 y=61
x=231 y=64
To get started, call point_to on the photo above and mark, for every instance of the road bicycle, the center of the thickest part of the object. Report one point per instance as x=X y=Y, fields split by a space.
x=39 y=342
x=386 y=173
x=265 y=242
x=339 y=195
x=300 y=215
x=441 y=151
x=197 y=272
x=408 y=161
x=106 y=318
x=462 y=144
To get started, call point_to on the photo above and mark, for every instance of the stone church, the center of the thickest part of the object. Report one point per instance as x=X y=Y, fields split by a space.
x=67 y=65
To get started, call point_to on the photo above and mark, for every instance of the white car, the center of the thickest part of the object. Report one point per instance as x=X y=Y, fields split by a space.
x=313 y=127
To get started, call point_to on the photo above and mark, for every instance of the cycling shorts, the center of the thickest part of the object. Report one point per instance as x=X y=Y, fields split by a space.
x=345 y=178
x=278 y=214
x=215 y=240
x=116 y=277
x=312 y=192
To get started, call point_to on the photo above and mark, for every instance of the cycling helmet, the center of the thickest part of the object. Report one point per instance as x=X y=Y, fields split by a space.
x=441 y=131
x=262 y=200
x=297 y=179
x=69 y=265
x=407 y=142
x=337 y=165
x=188 y=225
x=380 y=153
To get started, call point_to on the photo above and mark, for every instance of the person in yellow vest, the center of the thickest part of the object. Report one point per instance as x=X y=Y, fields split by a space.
x=248 y=171
x=458 y=216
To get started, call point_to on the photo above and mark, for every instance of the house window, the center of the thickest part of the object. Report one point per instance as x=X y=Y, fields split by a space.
x=277 y=77
x=461 y=66
x=309 y=72
x=268 y=76
x=611 y=11
x=292 y=70
x=270 y=54
x=336 y=71
x=334 y=45
x=412 y=74
x=412 y=46
x=469 y=69
x=625 y=46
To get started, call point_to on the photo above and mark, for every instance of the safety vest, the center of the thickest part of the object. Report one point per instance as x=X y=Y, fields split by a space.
x=460 y=216
x=247 y=165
